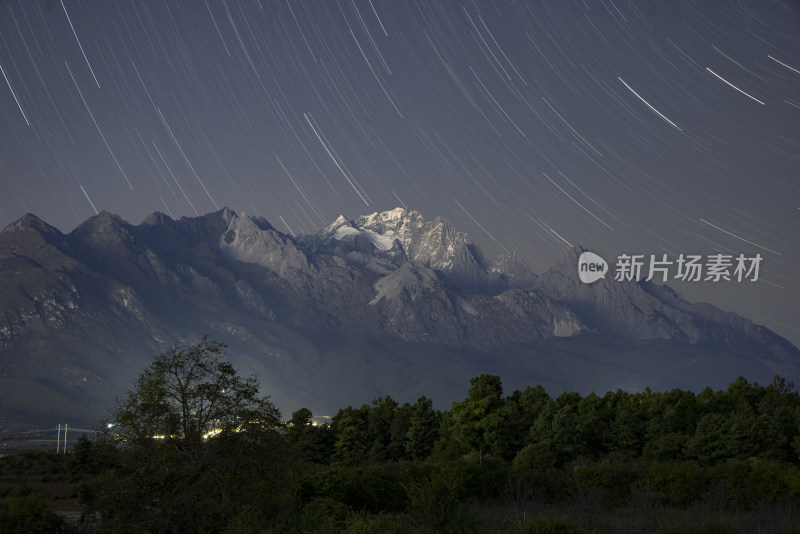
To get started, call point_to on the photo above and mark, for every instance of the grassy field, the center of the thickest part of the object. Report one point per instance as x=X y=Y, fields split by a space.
x=31 y=478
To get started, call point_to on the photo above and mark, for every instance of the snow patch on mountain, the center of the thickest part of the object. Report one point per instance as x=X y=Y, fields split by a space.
x=345 y=231
x=383 y=242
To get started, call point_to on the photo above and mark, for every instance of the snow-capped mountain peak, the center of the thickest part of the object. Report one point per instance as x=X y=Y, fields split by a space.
x=343 y=229
x=406 y=235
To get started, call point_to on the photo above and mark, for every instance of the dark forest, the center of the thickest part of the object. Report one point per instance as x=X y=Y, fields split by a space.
x=193 y=447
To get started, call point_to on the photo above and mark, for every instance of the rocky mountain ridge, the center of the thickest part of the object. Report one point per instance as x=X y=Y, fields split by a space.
x=413 y=301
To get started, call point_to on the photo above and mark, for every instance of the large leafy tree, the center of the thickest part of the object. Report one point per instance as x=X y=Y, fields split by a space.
x=193 y=447
x=474 y=422
x=188 y=394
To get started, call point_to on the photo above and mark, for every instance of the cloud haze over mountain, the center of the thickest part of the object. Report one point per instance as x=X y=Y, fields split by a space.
x=534 y=127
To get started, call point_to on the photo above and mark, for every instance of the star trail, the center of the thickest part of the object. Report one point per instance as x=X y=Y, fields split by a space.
x=622 y=126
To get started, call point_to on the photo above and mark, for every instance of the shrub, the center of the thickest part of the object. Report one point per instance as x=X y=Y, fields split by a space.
x=708 y=528
x=533 y=457
x=323 y=515
x=372 y=488
x=754 y=480
x=434 y=503
x=26 y=512
x=550 y=525
x=366 y=523
x=680 y=483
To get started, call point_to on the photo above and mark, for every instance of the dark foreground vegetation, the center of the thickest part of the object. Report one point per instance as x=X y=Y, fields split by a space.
x=193 y=448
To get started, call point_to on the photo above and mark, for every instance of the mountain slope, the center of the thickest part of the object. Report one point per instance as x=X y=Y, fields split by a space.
x=388 y=303
x=647 y=311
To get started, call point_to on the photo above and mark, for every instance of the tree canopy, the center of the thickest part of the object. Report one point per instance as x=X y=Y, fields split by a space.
x=188 y=394
x=391 y=466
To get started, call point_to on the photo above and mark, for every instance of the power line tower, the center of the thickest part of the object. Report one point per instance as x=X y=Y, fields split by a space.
x=58 y=438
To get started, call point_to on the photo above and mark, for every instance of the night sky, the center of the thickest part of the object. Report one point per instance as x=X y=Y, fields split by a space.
x=623 y=126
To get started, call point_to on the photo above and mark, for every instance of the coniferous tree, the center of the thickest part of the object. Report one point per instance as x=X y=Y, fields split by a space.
x=423 y=430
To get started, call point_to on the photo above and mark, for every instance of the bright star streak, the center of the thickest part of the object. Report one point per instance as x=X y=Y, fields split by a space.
x=79 y=44
x=649 y=106
x=578 y=203
x=287 y=225
x=379 y=19
x=559 y=236
x=335 y=161
x=729 y=83
x=89 y=199
x=784 y=64
x=400 y=201
x=217 y=28
x=289 y=5
x=391 y=101
x=189 y=163
x=741 y=238
x=175 y=179
x=573 y=130
x=98 y=127
x=15 y=96
x=481 y=226
x=322 y=219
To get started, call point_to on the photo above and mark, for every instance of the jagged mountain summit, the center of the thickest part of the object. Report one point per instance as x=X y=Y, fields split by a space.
x=388 y=303
x=402 y=235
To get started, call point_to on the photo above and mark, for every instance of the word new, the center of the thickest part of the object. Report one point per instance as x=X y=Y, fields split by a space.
x=591 y=267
